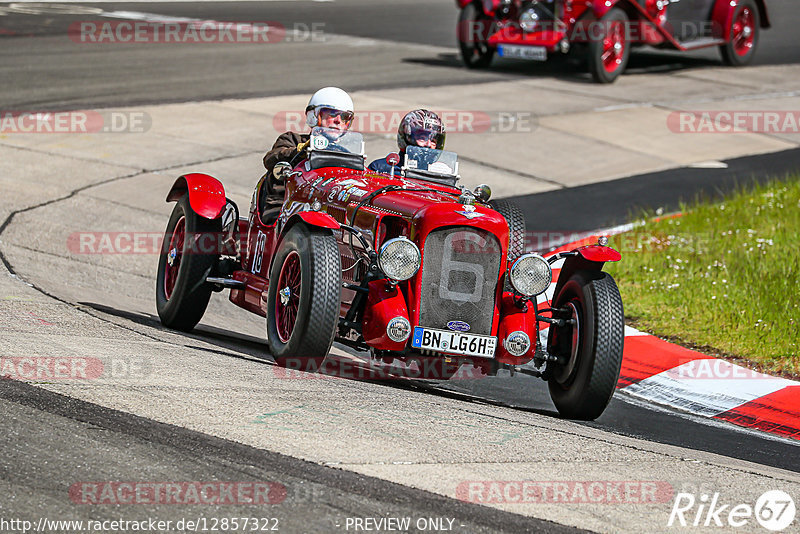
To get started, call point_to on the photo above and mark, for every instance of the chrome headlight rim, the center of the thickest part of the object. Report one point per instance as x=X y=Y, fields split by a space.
x=529 y=20
x=382 y=262
x=525 y=340
x=515 y=269
x=406 y=327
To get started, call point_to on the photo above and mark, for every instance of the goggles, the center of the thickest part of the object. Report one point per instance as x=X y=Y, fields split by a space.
x=423 y=135
x=346 y=116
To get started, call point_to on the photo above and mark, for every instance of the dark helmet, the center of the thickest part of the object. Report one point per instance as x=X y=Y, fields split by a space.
x=420 y=124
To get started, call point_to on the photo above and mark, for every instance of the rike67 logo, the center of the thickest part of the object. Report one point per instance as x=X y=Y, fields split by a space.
x=774 y=510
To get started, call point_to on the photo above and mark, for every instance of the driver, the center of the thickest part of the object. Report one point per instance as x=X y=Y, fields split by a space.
x=418 y=128
x=330 y=107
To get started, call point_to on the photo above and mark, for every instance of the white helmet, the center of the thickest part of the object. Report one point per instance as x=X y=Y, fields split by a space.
x=328 y=97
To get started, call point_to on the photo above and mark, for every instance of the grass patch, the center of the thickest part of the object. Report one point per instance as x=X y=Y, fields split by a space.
x=724 y=278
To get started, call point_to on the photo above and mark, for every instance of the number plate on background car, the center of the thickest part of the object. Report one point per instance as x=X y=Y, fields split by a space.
x=534 y=53
x=454 y=342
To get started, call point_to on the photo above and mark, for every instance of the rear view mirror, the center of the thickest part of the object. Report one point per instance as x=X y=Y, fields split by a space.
x=393 y=159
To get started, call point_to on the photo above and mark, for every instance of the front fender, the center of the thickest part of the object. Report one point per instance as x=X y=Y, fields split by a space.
x=206 y=194
x=315 y=218
x=598 y=253
x=589 y=258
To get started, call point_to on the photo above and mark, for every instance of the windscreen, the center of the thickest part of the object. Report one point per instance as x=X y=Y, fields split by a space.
x=431 y=161
x=337 y=140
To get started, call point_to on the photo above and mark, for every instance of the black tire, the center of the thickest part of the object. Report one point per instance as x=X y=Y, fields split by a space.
x=597 y=65
x=473 y=30
x=730 y=56
x=516 y=225
x=309 y=339
x=182 y=306
x=583 y=385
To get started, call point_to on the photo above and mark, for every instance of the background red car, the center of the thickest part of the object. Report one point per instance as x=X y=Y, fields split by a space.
x=607 y=29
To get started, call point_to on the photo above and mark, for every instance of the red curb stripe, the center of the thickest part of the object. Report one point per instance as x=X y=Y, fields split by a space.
x=777 y=413
x=645 y=356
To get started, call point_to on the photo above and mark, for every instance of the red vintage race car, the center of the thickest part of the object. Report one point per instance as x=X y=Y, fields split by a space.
x=405 y=266
x=606 y=30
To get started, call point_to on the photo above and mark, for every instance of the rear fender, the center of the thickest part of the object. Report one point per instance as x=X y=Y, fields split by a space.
x=384 y=303
x=206 y=194
x=722 y=16
x=589 y=258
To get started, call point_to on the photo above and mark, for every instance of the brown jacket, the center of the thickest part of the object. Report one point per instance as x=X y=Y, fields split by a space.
x=284 y=149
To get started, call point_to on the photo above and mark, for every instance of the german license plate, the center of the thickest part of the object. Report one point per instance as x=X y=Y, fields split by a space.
x=533 y=53
x=454 y=342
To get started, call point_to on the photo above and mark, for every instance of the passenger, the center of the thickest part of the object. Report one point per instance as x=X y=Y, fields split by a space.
x=418 y=128
x=330 y=107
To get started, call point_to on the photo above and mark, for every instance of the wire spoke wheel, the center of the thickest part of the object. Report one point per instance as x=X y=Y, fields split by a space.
x=287 y=301
x=305 y=296
x=609 y=52
x=743 y=32
x=614 y=47
x=174 y=256
x=743 y=35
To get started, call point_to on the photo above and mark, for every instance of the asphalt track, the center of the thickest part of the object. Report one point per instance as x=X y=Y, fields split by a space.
x=123 y=77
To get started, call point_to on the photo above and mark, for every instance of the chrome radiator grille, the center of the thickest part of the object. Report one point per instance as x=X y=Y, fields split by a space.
x=459 y=277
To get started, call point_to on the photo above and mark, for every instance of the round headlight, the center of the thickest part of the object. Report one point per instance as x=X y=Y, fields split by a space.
x=517 y=343
x=529 y=20
x=531 y=275
x=398 y=329
x=399 y=258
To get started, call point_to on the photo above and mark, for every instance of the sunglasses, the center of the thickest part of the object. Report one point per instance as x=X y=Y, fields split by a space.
x=346 y=116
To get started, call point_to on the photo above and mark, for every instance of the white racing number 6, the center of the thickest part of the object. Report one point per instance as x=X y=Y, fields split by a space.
x=450 y=265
